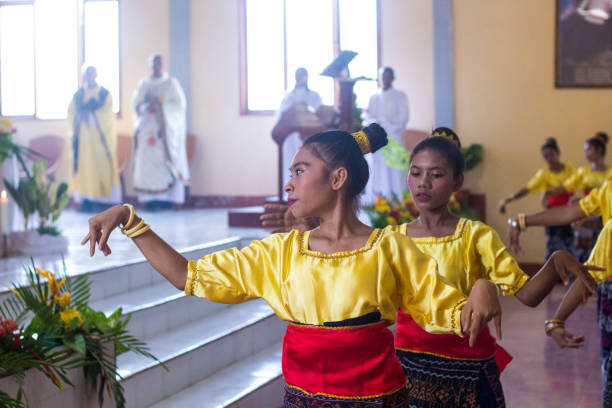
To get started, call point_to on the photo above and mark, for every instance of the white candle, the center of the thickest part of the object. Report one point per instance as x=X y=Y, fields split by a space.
x=4 y=210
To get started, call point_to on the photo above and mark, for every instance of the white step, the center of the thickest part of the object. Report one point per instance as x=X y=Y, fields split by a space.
x=253 y=382
x=197 y=350
x=157 y=308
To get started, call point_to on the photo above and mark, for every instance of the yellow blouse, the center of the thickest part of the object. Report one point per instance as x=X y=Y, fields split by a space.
x=473 y=252
x=311 y=287
x=545 y=179
x=597 y=203
x=586 y=179
x=600 y=256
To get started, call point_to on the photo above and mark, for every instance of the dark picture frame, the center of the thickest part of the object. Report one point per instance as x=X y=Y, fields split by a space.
x=583 y=44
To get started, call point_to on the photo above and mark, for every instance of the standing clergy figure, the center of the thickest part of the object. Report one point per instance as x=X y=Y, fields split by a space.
x=300 y=94
x=94 y=140
x=161 y=169
x=389 y=108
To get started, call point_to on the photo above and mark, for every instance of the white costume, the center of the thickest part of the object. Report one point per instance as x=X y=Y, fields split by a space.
x=293 y=142
x=390 y=110
x=160 y=154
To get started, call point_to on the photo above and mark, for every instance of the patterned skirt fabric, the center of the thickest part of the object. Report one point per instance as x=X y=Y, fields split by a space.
x=585 y=236
x=438 y=382
x=296 y=399
x=604 y=290
x=559 y=237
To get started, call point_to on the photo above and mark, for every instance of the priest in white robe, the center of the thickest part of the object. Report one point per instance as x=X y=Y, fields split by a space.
x=92 y=123
x=300 y=94
x=389 y=108
x=161 y=170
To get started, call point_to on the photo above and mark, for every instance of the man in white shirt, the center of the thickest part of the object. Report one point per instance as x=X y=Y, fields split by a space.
x=299 y=94
x=389 y=108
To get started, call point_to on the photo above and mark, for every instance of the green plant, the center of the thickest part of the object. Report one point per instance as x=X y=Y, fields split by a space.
x=70 y=332
x=35 y=194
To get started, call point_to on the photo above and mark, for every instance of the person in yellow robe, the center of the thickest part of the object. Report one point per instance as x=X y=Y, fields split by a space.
x=95 y=177
x=598 y=203
x=554 y=175
x=339 y=285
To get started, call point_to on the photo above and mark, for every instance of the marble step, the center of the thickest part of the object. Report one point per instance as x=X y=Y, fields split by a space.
x=253 y=382
x=157 y=308
x=197 y=350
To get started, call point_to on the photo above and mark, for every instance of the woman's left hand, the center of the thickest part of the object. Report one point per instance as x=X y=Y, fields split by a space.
x=482 y=305
x=565 y=264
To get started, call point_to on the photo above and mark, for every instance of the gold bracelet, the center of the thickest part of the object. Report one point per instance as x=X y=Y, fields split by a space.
x=131 y=219
x=554 y=321
x=140 y=231
x=552 y=326
x=521 y=222
x=136 y=228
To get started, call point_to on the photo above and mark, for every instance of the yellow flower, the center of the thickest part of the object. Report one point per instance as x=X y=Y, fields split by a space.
x=54 y=286
x=69 y=315
x=6 y=125
x=63 y=299
x=381 y=205
x=391 y=221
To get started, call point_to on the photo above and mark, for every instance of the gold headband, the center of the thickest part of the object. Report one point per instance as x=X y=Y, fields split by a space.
x=448 y=136
x=362 y=140
x=600 y=138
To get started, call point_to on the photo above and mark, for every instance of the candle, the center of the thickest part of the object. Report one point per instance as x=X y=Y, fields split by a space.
x=4 y=213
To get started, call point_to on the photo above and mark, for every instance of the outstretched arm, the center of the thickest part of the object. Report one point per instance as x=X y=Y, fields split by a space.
x=555 y=216
x=559 y=265
x=162 y=257
x=519 y=194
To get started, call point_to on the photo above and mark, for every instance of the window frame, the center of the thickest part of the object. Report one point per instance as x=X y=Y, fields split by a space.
x=80 y=37
x=242 y=49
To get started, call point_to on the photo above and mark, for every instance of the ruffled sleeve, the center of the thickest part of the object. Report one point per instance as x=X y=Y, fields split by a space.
x=235 y=276
x=575 y=182
x=537 y=184
x=499 y=266
x=597 y=202
x=434 y=306
x=600 y=255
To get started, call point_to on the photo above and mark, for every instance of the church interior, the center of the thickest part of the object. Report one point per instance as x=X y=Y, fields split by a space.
x=491 y=71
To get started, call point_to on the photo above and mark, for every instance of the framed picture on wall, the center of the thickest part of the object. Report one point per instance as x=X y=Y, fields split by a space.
x=583 y=43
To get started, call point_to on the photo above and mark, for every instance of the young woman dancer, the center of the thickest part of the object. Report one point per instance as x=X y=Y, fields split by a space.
x=587 y=178
x=339 y=285
x=598 y=203
x=442 y=370
x=553 y=175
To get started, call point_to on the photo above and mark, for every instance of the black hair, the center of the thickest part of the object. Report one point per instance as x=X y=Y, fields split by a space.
x=446 y=142
x=599 y=141
x=338 y=148
x=550 y=143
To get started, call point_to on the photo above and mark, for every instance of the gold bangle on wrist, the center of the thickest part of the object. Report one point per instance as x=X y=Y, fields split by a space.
x=550 y=325
x=136 y=228
x=130 y=219
x=554 y=321
x=521 y=222
x=141 y=231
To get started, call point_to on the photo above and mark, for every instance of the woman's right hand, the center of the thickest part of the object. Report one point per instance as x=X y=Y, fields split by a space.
x=101 y=225
x=501 y=206
x=282 y=220
x=565 y=338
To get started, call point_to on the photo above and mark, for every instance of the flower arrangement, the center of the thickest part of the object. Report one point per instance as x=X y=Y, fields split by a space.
x=63 y=333
x=394 y=211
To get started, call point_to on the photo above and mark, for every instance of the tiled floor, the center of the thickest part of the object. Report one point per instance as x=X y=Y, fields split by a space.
x=541 y=375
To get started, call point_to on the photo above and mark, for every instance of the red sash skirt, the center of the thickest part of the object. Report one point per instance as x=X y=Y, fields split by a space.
x=411 y=337
x=559 y=200
x=345 y=362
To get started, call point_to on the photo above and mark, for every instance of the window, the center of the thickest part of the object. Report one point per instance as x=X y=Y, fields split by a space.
x=44 y=43
x=279 y=36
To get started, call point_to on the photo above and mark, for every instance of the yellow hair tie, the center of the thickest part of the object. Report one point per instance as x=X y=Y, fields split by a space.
x=445 y=135
x=600 y=138
x=362 y=140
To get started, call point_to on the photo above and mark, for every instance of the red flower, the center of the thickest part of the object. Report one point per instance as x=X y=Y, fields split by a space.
x=395 y=214
x=10 y=325
x=16 y=342
x=2 y=331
